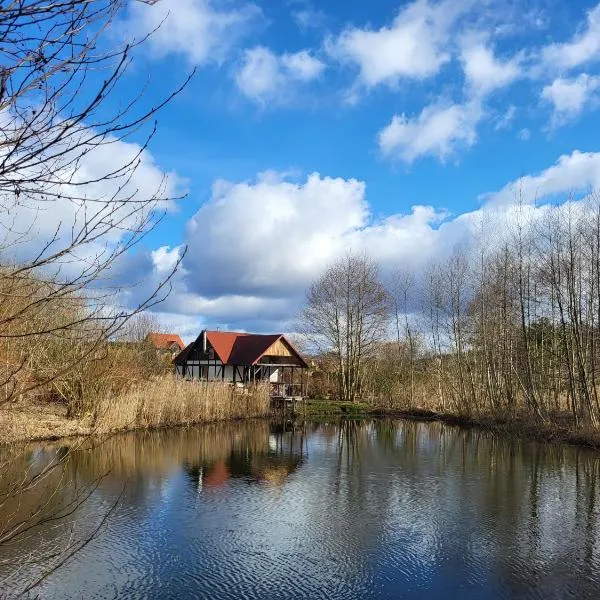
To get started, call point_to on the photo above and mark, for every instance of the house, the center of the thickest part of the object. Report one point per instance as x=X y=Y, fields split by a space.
x=168 y=343
x=245 y=358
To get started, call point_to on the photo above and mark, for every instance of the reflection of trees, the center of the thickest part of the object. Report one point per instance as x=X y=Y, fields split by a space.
x=372 y=495
x=473 y=500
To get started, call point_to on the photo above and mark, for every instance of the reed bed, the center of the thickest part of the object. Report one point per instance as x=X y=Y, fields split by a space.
x=170 y=400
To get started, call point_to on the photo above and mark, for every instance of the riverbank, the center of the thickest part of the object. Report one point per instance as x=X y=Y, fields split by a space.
x=554 y=432
x=172 y=402
x=160 y=402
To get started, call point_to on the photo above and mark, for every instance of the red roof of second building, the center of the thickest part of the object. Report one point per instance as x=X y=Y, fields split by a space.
x=164 y=341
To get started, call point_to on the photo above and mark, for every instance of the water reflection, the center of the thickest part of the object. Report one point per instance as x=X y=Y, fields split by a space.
x=271 y=462
x=375 y=509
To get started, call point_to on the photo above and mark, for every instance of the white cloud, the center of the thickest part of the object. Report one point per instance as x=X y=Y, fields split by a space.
x=186 y=326
x=578 y=172
x=440 y=130
x=263 y=242
x=165 y=258
x=202 y=30
x=266 y=77
x=569 y=97
x=97 y=195
x=302 y=65
x=484 y=72
x=584 y=47
x=248 y=230
x=413 y=46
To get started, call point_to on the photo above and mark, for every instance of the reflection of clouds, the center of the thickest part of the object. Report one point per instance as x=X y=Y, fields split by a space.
x=341 y=511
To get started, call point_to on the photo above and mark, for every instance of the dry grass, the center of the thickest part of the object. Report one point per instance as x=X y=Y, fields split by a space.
x=39 y=421
x=171 y=400
x=159 y=402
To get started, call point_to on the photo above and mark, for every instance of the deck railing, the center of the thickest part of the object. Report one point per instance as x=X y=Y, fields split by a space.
x=288 y=390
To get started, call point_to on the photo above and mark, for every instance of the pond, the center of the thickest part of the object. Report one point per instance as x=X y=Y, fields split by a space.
x=350 y=509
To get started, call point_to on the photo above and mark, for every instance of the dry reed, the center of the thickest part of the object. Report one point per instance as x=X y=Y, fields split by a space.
x=170 y=400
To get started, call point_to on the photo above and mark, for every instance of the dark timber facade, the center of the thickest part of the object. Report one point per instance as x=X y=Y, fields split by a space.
x=245 y=358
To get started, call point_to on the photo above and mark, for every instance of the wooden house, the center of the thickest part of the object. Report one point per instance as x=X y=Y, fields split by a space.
x=245 y=358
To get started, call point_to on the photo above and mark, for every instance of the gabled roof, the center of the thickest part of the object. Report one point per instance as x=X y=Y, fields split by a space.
x=236 y=348
x=248 y=349
x=164 y=341
x=223 y=342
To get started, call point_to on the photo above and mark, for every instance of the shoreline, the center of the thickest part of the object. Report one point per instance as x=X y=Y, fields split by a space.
x=550 y=433
x=54 y=426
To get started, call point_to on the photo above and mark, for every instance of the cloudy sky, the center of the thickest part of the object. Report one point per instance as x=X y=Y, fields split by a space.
x=313 y=128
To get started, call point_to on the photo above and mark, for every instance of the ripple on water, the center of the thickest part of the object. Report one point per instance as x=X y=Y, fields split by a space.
x=378 y=510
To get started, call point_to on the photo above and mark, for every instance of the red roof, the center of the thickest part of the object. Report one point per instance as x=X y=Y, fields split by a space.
x=164 y=341
x=236 y=348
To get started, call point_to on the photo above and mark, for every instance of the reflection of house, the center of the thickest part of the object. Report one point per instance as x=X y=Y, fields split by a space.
x=244 y=358
x=217 y=475
x=169 y=343
x=261 y=468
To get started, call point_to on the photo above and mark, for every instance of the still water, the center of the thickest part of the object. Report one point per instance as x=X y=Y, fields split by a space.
x=357 y=509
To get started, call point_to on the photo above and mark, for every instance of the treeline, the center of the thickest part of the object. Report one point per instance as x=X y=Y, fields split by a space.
x=509 y=325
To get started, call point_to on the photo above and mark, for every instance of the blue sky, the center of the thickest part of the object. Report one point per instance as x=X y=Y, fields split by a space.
x=392 y=127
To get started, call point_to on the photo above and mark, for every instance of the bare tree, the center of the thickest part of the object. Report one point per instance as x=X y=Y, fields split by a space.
x=402 y=291
x=64 y=113
x=346 y=312
x=57 y=114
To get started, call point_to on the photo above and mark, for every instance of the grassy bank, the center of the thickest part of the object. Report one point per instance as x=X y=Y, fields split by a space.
x=558 y=430
x=327 y=408
x=521 y=426
x=159 y=402
x=169 y=401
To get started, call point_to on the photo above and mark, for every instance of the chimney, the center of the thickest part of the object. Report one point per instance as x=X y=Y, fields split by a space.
x=204 y=342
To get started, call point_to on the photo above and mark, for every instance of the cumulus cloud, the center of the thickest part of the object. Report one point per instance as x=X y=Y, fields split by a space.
x=98 y=195
x=267 y=77
x=246 y=229
x=484 y=72
x=413 y=46
x=569 y=97
x=440 y=130
x=583 y=48
x=204 y=31
x=255 y=246
x=578 y=172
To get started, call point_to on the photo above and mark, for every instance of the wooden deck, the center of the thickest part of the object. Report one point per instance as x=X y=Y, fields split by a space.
x=288 y=390
x=288 y=395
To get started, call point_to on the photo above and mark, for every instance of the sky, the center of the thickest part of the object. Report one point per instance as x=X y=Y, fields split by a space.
x=311 y=129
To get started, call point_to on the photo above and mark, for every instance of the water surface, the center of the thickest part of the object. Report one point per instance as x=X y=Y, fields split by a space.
x=357 y=509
